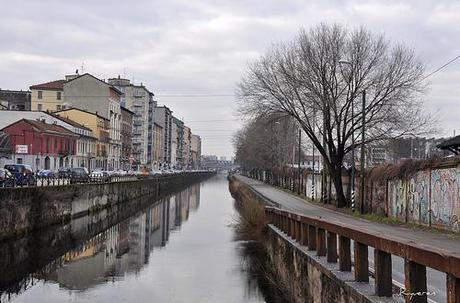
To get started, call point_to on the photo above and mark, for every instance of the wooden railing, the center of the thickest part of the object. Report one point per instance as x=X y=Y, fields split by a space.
x=333 y=240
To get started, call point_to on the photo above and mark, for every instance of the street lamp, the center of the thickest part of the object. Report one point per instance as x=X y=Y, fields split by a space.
x=353 y=147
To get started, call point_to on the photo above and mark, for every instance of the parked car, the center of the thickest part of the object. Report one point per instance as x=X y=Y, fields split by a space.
x=23 y=174
x=6 y=178
x=121 y=172
x=155 y=172
x=99 y=175
x=79 y=174
x=46 y=173
x=64 y=172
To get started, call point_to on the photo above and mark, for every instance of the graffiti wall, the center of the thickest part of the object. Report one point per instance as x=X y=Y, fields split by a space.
x=397 y=199
x=418 y=191
x=429 y=197
x=445 y=198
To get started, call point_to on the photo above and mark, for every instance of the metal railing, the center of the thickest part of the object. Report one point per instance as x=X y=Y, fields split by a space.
x=60 y=181
x=333 y=240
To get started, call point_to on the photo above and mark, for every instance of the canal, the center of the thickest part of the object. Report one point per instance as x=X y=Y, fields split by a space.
x=181 y=248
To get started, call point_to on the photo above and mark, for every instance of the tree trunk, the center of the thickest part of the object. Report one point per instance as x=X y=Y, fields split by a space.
x=336 y=175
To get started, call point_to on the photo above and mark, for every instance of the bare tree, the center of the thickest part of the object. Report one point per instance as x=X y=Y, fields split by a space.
x=320 y=78
x=265 y=142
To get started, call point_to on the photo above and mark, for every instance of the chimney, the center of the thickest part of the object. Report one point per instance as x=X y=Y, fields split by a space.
x=71 y=77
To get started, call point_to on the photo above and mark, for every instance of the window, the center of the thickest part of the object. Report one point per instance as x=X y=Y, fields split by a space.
x=58 y=107
x=19 y=160
x=40 y=94
x=40 y=107
x=58 y=95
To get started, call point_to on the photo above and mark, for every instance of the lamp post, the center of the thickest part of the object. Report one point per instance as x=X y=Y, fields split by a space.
x=300 y=138
x=353 y=147
x=362 y=151
x=313 y=192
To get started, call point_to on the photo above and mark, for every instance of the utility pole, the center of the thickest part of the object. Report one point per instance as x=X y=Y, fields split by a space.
x=352 y=156
x=313 y=155
x=300 y=138
x=362 y=151
x=324 y=170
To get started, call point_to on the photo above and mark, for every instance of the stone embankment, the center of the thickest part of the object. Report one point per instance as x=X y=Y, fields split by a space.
x=23 y=209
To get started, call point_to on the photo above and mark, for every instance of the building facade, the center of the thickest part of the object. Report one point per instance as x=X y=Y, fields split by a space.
x=86 y=142
x=163 y=117
x=139 y=100
x=174 y=144
x=15 y=99
x=47 y=96
x=151 y=133
x=195 y=150
x=100 y=130
x=187 y=147
x=158 y=146
x=91 y=94
x=127 y=157
x=178 y=135
x=42 y=145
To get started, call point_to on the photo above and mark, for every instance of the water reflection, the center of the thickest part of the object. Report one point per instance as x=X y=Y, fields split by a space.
x=91 y=250
x=180 y=248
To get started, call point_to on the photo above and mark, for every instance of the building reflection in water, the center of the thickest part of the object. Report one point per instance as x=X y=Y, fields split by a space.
x=119 y=249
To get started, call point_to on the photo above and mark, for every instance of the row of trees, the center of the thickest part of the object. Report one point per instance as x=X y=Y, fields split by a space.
x=336 y=83
x=266 y=141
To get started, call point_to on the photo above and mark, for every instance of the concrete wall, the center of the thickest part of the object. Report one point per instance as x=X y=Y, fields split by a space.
x=26 y=209
x=309 y=278
x=429 y=197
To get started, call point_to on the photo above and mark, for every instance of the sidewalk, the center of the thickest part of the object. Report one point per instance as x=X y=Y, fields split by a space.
x=437 y=240
x=443 y=243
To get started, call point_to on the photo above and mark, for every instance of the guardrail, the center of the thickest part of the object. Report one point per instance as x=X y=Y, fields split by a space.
x=60 y=181
x=321 y=236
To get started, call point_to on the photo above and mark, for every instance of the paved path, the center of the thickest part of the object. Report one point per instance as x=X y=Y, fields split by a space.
x=446 y=242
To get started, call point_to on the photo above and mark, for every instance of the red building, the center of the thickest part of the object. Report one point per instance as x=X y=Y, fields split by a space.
x=41 y=145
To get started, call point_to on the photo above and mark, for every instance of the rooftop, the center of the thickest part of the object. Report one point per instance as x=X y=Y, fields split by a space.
x=69 y=121
x=452 y=144
x=53 y=85
x=79 y=109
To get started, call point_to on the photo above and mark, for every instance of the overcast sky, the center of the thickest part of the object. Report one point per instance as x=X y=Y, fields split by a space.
x=203 y=46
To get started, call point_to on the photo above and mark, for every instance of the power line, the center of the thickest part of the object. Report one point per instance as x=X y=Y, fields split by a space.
x=440 y=68
x=194 y=95
x=222 y=120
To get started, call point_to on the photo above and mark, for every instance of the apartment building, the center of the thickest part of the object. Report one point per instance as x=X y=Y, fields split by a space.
x=127 y=158
x=187 y=146
x=100 y=128
x=163 y=117
x=48 y=96
x=94 y=95
x=139 y=100
x=195 y=151
x=177 y=158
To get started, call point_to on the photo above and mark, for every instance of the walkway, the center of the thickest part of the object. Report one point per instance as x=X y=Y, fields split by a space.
x=442 y=242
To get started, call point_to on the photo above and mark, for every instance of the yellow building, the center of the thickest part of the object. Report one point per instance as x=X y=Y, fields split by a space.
x=48 y=96
x=100 y=129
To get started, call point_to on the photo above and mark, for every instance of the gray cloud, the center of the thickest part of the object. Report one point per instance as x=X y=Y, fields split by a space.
x=203 y=46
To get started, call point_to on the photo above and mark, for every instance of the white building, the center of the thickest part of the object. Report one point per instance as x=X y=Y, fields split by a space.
x=138 y=99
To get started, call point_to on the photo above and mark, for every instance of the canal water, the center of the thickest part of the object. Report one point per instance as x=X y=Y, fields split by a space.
x=181 y=248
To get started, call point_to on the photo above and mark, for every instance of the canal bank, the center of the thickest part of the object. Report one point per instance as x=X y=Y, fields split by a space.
x=180 y=248
x=23 y=209
x=300 y=273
